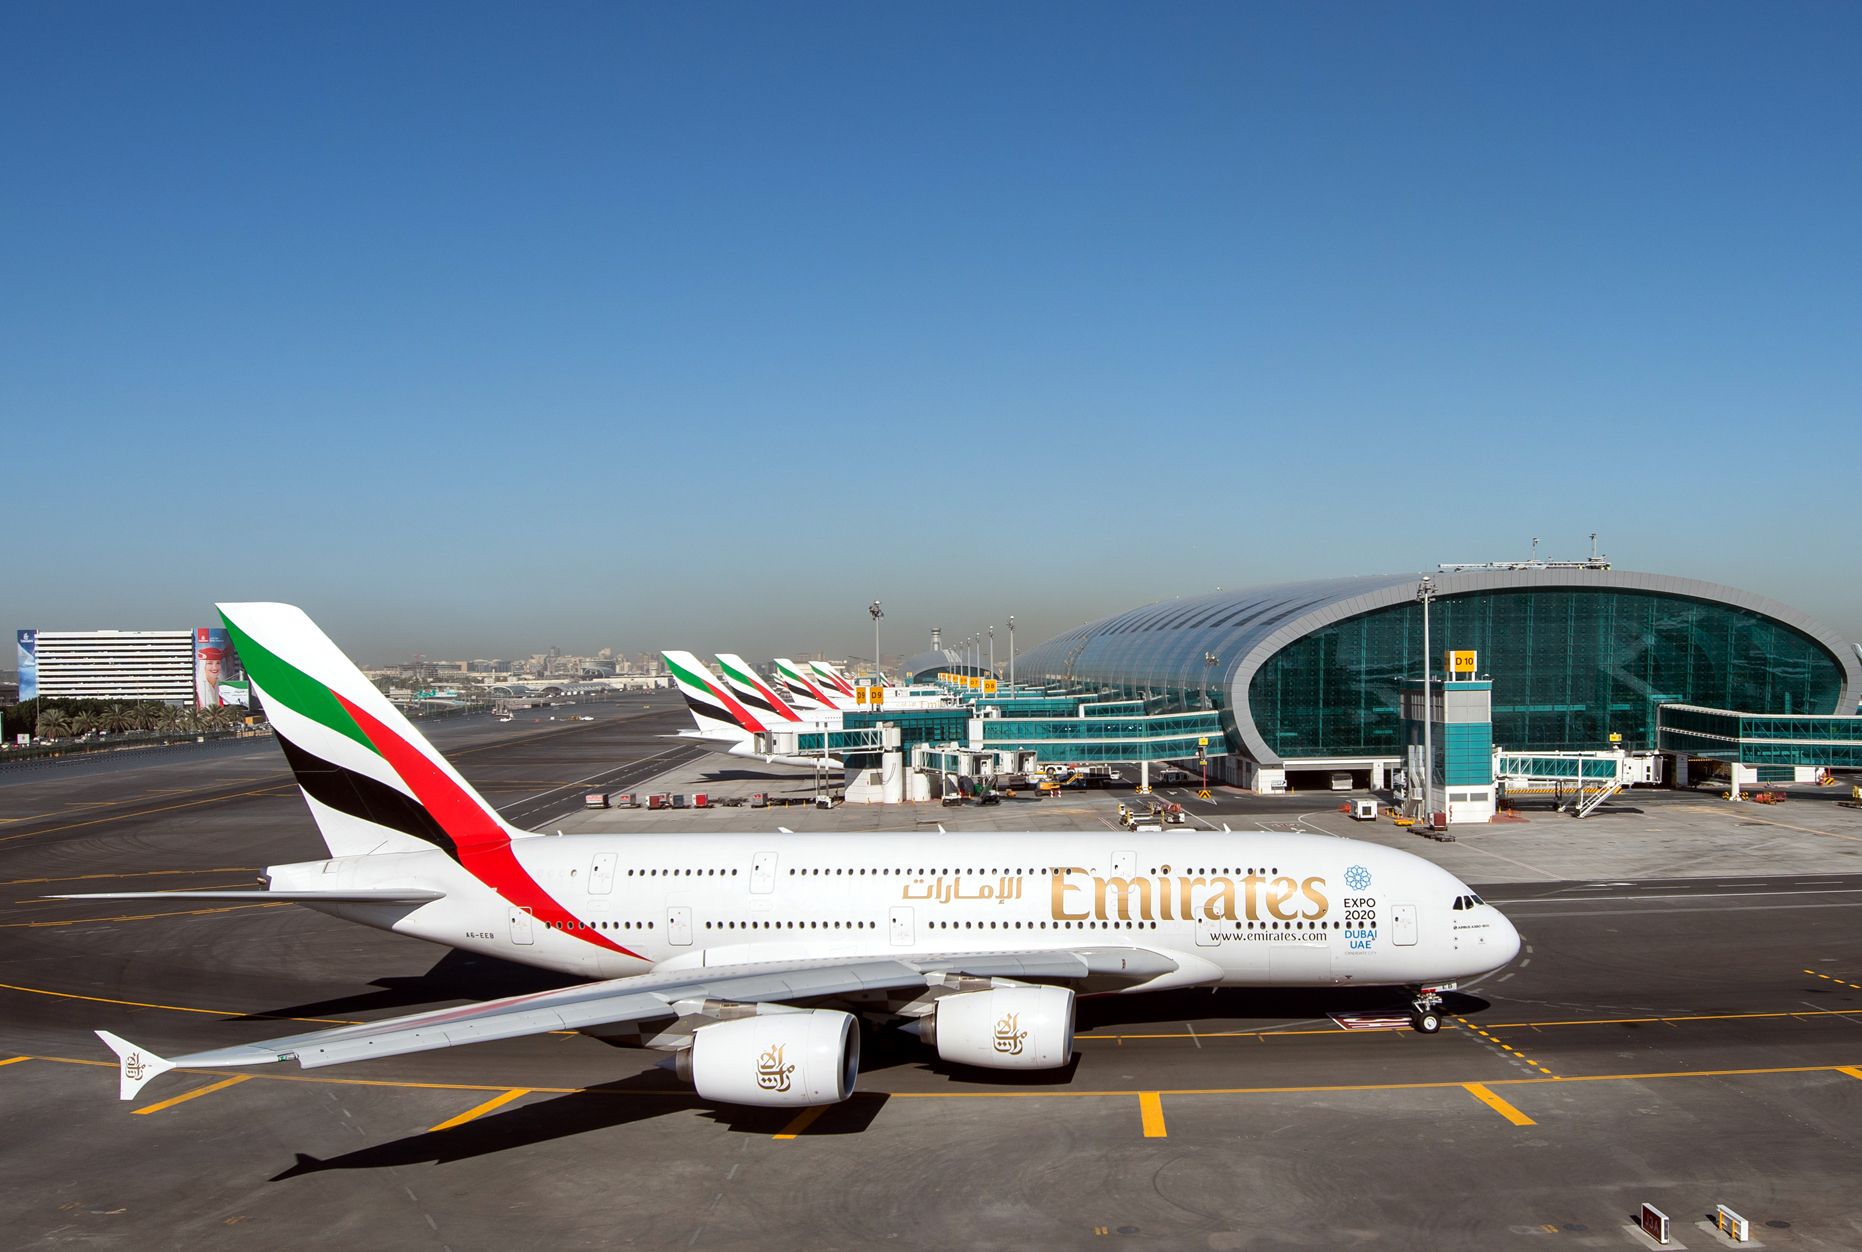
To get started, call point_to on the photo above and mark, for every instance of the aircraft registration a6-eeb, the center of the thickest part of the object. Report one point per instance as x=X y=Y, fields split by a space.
x=751 y=957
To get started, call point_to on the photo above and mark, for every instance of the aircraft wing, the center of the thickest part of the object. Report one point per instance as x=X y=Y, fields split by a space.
x=645 y=997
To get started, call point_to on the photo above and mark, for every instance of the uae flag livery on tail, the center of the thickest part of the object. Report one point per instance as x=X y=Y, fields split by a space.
x=373 y=782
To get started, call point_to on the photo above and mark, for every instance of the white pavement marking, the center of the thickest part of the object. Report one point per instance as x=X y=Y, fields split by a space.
x=1546 y=874
x=1675 y=895
x=612 y=769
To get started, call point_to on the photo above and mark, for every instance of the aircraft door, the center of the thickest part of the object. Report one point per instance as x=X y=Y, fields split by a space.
x=679 y=927
x=1124 y=863
x=521 y=933
x=899 y=928
x=601 y=874
x=763 y=873
x=1403 y=925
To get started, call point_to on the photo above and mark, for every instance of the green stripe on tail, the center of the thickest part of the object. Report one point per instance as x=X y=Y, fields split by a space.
x=285 y=684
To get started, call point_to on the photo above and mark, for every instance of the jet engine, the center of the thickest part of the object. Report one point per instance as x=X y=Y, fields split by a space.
x=811 y=1057
x=1003 y=1028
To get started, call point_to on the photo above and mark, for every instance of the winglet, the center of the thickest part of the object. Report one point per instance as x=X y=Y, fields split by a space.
x=138 y=1065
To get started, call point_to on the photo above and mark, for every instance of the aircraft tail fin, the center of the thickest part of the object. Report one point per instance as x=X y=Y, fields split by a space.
x=833 y=679
x=807 y=694
x=373 y=782
x=135 y=1066
x=719 y=714
x=752 y=691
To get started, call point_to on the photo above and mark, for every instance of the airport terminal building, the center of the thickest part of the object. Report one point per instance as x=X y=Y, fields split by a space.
x=1308 y=676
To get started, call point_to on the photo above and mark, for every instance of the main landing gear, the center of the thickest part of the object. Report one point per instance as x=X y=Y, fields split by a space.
x=1424 y=1017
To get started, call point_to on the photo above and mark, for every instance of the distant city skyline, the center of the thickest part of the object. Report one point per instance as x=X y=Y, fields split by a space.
x=474 y=330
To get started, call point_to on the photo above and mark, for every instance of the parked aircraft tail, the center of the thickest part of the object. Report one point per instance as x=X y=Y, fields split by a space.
x=832 y=680
x=807 y=693
x=373 y=782
x=752 y=691
x=719 y=714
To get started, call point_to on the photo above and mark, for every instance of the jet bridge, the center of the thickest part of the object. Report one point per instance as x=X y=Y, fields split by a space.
x=1578 y=781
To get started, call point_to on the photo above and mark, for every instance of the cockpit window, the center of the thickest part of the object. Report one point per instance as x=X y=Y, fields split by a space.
x=1461 y=902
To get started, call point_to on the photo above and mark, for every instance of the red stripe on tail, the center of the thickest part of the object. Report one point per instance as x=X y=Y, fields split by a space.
x=484 y=847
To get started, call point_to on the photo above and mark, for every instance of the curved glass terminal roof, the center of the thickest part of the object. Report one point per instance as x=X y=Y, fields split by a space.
x=1311 y=670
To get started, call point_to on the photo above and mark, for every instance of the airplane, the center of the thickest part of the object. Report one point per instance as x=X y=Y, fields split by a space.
x=831 y=679
x=758 y=696
x=724 y=724
x=750 y=957
x=808 y=693
x=818 y=689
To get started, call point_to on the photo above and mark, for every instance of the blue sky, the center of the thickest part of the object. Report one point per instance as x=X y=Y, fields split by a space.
x=480 y=328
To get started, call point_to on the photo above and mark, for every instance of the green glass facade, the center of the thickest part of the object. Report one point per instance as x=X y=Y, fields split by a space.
x=1570 y=667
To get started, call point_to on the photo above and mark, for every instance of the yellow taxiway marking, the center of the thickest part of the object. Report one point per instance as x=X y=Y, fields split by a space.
x=1827 y=978
x=1045 y=1094
x=803 y=1121
x=1695 y=1017
x=496 y=1102
x=147 y=873
x=272 y=790
x=141 y=917
x=174 y=1008
x=183 y=1008
x=243 y=884
x=1334 y=1033
x=1151 y=1110
x=14 y=1060
x=1480 y=1092
x=195 y=1094
x=1497 y=1042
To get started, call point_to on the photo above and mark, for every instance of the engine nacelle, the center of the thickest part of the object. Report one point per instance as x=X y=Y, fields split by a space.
x=775 y=1059
x=1003 y=1028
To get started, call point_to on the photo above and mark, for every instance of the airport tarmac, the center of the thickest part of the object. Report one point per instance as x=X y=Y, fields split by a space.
x=1684 y=1027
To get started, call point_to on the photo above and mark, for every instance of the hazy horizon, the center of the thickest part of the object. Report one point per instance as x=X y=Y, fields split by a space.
x=476 y=331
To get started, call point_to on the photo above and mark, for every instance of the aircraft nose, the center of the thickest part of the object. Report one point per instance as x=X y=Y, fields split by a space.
x=1508 y=938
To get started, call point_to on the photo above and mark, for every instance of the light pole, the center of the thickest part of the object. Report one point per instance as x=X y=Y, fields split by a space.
x=1011 y=653
x=992 y=651
x=876 y=613
x=1425 y=592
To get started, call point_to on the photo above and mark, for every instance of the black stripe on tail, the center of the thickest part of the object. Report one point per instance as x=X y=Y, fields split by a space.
x=369 y=799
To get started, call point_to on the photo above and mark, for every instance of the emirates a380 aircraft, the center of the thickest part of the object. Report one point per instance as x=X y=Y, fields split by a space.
x=750 y=956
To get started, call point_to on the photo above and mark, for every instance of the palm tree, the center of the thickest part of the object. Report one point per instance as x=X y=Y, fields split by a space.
x=54 y=723
x=115 y=719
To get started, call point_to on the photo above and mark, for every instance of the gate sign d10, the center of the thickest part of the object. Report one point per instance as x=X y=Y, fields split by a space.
x=1460 y=661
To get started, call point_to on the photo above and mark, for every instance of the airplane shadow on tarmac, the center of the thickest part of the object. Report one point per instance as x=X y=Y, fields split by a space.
x=655 y=1093
x=1254 y=1007
x=456 y=976
x=641 y=1098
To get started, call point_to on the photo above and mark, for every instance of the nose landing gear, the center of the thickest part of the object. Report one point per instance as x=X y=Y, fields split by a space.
x=1424 y=1017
